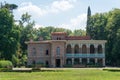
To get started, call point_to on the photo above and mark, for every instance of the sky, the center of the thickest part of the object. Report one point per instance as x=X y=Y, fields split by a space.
x=69 y=14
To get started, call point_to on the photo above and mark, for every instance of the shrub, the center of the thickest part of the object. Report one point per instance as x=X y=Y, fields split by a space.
x=5 y=64
x=5 y=70
x=68 y=65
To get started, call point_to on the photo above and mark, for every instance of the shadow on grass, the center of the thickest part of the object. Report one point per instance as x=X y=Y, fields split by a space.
x=112 y=70
x=32 y=71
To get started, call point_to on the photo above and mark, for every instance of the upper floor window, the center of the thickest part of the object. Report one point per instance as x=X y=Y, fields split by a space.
x=58 y=38
x=47 y=53
x=58 y=50
x=34 y=51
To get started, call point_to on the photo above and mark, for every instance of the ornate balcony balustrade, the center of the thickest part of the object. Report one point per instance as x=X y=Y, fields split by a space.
x=83 y=55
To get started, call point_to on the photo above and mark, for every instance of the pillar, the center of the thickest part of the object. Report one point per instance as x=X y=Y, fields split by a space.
x=103 y=48
x=72 y=61
x=88 y=60
x=72 y=47
x=80 y=60
x=96 y=48
x=88 y=48
x=96 y=60
x=103 y=61
x=80 y=48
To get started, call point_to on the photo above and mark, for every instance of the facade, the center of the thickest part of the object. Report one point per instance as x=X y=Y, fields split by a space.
x=64 y=50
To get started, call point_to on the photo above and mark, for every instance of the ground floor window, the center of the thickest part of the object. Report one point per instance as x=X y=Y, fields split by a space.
x=69 y=61
x=76 y=61
x=47 y=64
x=33 y=62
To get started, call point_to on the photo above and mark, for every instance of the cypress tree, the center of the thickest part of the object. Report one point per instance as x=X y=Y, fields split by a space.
x=88 y=21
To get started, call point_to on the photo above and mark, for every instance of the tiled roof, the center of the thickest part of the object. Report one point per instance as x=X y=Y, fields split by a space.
x=78 y=38
x=58 y=33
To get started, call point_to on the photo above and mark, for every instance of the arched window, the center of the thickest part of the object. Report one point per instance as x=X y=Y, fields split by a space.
x=69 y=50
x=84 y=49
x=92 y=49
x=76 y=49
x=58 y=50
x=100 y=49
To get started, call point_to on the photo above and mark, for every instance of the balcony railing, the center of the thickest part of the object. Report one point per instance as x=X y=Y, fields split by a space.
x=80 y=55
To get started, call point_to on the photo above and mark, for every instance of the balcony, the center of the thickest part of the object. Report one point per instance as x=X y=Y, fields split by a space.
x=80 y=55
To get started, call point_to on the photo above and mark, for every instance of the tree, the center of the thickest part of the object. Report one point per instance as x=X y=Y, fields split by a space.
x=106 y=26
x=79 y=32
x=27 y=31
x=9 y=35
x=88 y=28
x=10 y=7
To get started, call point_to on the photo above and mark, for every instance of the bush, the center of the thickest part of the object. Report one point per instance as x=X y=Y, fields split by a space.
x=68 y=65
x=5 y=69
x=5 y=64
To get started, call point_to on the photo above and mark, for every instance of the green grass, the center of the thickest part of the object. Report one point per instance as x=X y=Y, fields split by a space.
x=74 y=74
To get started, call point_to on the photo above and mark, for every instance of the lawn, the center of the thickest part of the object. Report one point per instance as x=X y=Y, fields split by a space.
x=72 y=74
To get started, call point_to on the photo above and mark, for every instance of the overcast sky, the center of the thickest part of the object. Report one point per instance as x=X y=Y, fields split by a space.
x=70 y=14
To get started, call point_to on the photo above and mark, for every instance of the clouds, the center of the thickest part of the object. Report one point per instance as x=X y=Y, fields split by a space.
x=57 y=6
x=61 y=5
x=78 y=22
x=54 y=7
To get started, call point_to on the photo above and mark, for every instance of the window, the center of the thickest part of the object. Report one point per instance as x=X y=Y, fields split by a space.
x=47 y=52
x=34 y=51
x=58 y=50
x=33 y=62
x=59 y=38
x=46 y=63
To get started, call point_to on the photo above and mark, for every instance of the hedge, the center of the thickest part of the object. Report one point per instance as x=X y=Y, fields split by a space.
x=5 y=64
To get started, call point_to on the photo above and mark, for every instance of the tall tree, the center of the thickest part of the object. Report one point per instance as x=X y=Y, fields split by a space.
x=106 y=26
x=9 y=35
x=26 y=30
x=88 y=29
x=10 y=7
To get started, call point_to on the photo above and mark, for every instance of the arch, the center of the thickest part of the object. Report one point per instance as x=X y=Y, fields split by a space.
x=76 y=49
x=84 y=49
x=69 y=49
x=92 y=49
x=100 y=49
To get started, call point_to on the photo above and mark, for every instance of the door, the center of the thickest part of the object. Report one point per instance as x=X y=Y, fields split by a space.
x=57 y=62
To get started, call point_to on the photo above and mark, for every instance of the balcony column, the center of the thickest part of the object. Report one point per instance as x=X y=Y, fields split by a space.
x=103 y=48
x=88 y=48
x=88 y=52
x=96 y=60
x=72 y=61
x=80 y=48
x=72 y=46
x=103 y=61
x=96 y=52
x=88 y=60
x=80 y=60
x=96 y=48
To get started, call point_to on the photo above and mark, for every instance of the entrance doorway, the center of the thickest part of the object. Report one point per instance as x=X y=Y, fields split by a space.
x=57 y=62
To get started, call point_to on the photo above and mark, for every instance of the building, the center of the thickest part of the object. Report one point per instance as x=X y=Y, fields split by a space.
x=64 y=50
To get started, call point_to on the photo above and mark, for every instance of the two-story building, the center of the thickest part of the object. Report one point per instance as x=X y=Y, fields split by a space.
x=66 y=50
